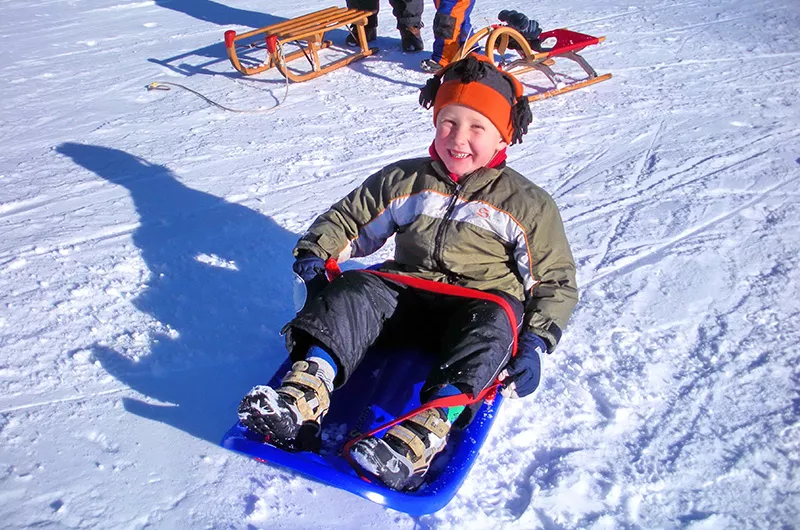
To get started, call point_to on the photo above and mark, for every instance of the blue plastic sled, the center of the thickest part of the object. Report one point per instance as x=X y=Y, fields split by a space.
x=385 y=386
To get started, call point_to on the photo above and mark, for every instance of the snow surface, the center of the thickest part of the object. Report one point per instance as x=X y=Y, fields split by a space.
x=145 y=256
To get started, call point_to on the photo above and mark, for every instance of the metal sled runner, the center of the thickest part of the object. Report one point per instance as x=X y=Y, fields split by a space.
x=499 y=39
x=307 y=34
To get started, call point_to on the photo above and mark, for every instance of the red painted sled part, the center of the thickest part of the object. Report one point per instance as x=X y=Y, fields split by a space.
x=567 y=45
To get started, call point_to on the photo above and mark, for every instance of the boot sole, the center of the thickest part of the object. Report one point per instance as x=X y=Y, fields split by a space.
x=264 y=414
x=377 y=459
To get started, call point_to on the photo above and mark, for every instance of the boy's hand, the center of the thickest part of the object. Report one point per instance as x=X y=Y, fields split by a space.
x=524 y=370
x=310 y=269
x=308 y=266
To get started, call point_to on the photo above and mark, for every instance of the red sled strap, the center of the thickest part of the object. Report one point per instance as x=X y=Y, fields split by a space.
x=333 y=271
x=443 y=402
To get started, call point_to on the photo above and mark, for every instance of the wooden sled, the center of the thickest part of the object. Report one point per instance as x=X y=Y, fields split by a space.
x=568 y=44
x=306 y=33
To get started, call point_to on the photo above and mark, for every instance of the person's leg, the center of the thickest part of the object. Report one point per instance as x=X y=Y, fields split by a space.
x=409 y=22
x=326 y=340
x=475 y=343
x=465 y=30
x=451 y=27
x=473 y=348
x=346 y=318
x=407 y=12
x=371 y=29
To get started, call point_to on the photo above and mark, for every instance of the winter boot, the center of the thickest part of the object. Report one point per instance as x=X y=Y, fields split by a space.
x=430 y=66
x=291 y=415
x=411 y=39
x=402 y=457
x=370 y=31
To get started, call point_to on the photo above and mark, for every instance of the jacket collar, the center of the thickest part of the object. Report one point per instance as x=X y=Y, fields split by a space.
x=498 y=163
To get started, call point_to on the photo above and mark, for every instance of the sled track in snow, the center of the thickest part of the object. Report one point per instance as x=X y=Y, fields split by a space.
x=655 y=254
x=649 y=195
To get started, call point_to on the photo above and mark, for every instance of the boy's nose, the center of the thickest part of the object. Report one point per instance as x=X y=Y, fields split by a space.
x=460 y=135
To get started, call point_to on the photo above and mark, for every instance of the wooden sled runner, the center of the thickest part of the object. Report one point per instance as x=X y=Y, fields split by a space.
x=307 y=34
x=568 y=44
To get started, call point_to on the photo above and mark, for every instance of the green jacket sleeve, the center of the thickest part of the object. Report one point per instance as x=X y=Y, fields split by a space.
x=555 y=293
x=331 y=233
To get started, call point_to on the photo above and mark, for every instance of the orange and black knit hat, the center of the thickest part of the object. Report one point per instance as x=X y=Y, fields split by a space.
x=477 y=83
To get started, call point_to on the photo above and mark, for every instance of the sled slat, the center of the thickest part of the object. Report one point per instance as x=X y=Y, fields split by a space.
x=288 y=24
x=568 y=88
x=307 y=33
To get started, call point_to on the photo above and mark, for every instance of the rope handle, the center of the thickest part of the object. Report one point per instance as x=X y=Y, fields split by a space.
x=164 y=85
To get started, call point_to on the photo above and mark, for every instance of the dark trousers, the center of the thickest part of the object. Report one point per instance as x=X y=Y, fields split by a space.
x=471 y=338
x=407 y=12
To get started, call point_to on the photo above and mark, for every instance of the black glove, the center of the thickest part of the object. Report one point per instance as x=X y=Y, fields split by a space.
x=524 y=370
x=311 y=269
x=528 y=27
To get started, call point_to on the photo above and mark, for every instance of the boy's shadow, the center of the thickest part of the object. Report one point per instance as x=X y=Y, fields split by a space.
x=219 y=290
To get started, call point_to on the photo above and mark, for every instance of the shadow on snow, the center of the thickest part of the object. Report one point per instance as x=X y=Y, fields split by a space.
x=220 y=14
x=219 y=277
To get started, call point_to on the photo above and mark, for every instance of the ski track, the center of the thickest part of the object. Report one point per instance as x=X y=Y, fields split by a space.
x=654 y=254
x=645 y=166
x=683 y=63
x=4 y=409
x=639 y=199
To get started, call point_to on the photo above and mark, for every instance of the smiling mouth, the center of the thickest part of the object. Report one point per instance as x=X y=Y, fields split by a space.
x=459 y=156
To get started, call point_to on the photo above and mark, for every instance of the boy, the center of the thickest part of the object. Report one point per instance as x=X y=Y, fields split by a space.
x=460 y=216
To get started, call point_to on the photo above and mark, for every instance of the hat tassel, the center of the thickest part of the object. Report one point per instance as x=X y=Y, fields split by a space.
x=427 y=94
x=521 y=117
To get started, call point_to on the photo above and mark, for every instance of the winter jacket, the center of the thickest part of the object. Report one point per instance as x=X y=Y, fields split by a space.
x=494 y=229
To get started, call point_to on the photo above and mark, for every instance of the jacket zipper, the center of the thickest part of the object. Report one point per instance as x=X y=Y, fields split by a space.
x=438 y=247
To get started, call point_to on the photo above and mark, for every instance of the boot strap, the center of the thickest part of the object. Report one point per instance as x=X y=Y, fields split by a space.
x=411 y=439
x=306 y=380
x=304 y=406
x=431 y=421
x=297 y=376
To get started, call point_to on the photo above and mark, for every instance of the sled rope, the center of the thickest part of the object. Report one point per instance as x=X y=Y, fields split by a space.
x=164 y=85
x=332 y=270
x=459 y=400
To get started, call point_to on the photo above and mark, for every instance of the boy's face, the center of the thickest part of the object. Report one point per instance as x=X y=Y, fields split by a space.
x=465 y=139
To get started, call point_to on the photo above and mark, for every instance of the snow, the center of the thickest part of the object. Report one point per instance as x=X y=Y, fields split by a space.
x=145 y=258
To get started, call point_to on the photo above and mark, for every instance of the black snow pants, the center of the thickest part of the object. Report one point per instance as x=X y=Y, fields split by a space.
x=471 y=338
x=407 y=12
